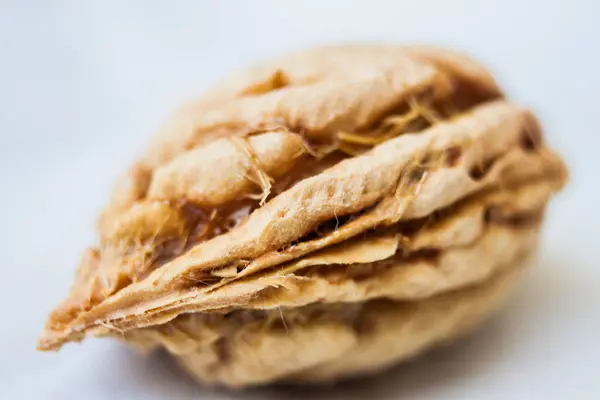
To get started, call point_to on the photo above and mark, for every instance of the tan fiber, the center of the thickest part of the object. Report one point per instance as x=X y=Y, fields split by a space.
x=225 y=169
x=318 y=216
x=320 y=344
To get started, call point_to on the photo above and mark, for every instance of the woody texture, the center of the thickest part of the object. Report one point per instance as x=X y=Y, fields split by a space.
x=319 y=216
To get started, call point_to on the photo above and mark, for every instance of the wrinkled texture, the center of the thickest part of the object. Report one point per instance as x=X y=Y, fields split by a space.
x=304 y=213
x=322 y=345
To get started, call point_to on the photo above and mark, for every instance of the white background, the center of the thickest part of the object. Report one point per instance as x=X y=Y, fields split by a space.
x=83 y=84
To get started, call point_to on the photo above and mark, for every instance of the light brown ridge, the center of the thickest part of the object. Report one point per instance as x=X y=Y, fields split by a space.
x=254 y=196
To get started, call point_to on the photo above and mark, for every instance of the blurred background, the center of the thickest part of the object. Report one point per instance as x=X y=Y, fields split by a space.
x=84 y=84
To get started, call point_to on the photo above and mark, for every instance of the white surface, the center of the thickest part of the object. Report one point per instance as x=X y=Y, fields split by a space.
x=82 y=85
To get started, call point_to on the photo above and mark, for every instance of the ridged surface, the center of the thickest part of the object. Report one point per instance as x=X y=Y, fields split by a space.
x=339 y=177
